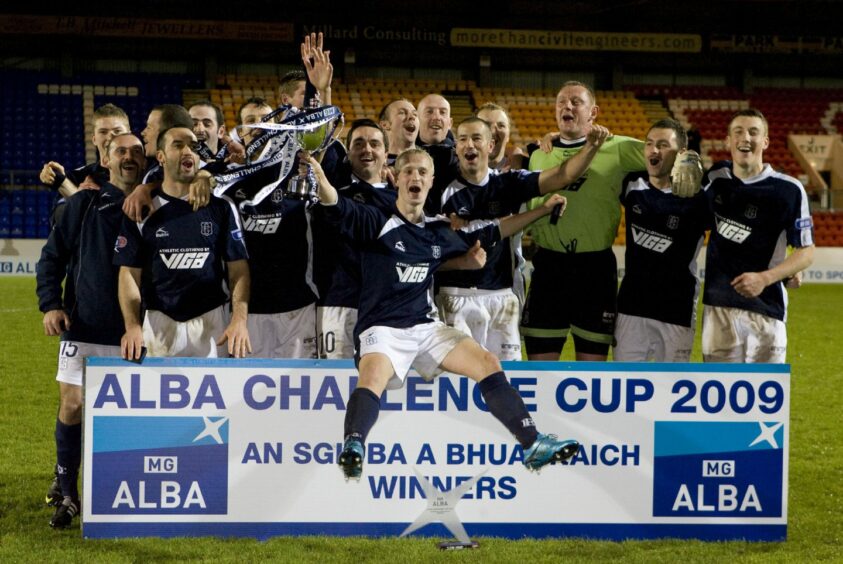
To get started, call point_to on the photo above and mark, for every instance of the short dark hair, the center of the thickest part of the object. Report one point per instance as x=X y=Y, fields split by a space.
x=750 y=112
x=366 y=122
x=159 y=143
x=253 y=101
x=217 y=110
x=288 y=85
x=173 y=115
x=384 y=113
x=668 y=123
x=475 y=119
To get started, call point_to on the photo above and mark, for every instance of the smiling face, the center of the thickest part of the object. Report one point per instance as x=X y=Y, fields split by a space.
x=205 y=126
x=747 y=141
x=250 y=114
x=575 y=111
x=402 y=124
x=434 y=118
x=414 y=177
x=367 y=154
x=178 y=156
x=474 y=143
x=105 y=128
x=660 y=150
x=499 y=124
x=150 y=132
x=125 y=161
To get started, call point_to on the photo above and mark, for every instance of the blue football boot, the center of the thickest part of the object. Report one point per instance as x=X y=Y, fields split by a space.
x=548 y=449
x=351 y=459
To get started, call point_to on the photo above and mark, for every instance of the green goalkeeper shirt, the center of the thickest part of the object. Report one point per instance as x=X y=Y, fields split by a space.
x=591 y=218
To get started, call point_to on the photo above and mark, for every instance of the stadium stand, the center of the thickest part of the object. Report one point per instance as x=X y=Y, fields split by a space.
x=49 y=117
x=45 y=121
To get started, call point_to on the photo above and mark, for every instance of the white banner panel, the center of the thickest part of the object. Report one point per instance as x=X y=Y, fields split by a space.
x=180 y=447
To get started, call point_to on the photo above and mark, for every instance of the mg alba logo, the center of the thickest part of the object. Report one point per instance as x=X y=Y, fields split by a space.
x=650 y=239
x=184 y=261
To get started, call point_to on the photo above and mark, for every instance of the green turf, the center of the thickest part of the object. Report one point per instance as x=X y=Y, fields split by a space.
x=28 y=395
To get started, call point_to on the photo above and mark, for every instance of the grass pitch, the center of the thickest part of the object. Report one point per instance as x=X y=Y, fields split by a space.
x=28 y=396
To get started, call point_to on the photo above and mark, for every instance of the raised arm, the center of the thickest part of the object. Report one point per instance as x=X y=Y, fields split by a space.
x=515 y=223
x=327 y=193
x=566 y=173
x=317 y=63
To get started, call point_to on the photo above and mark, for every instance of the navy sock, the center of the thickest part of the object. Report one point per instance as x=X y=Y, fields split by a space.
x=361 y=413
x=68 y=457
x=508 y=407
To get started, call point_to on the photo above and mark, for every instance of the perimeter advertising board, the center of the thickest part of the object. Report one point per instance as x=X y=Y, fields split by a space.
x=180 y=447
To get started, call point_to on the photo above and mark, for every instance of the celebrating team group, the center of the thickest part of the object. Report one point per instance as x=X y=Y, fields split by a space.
x=156 y=256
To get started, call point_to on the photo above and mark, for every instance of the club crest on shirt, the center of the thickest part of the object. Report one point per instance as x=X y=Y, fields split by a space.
x=277 y=195
x=206 y=228
x=359 y=198
x=400 y=246
x=637 y=209
x=751 y=211
x=437 y=251
x=673 y=222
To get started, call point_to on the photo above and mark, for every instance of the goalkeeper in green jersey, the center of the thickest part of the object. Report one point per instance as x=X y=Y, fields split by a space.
x=574 y=257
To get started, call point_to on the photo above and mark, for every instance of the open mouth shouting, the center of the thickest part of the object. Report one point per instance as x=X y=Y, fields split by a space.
x=187 y=165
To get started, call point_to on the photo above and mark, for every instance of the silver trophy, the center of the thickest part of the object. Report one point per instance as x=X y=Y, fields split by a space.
x=314 y=140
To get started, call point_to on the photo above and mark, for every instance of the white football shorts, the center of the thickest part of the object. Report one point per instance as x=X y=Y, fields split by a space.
x=423 y=347
x=335 y=326
x=491 y=317
x=197 y=337
x=639 y=339
x=290 y=334
x=72 y=355
x=737 y=335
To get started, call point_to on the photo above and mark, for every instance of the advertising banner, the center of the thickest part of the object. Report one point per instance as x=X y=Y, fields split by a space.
x=181 y=447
